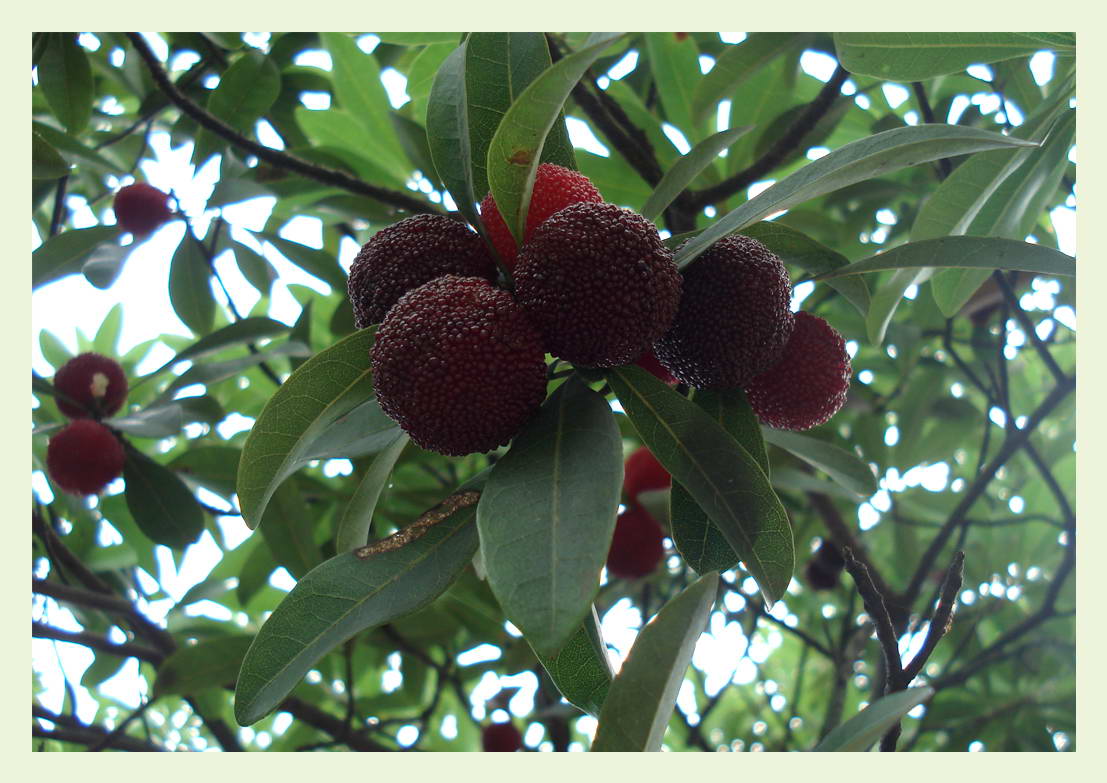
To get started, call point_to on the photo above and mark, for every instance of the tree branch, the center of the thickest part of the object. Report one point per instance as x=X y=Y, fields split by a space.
x=69 y=729
x=122 y=649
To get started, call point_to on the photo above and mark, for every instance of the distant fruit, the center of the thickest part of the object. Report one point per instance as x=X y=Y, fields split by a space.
x=409 y=253
x=140 y=209
x=501 y=738
x=824 y=568
x=648 y=361
x=642 y=473
x=95 y=382
x=809 y=383
x=598 y=283
x=84 y=457
x=555 y=187
x=638 y=545
x=458 y=366
x=734 y=317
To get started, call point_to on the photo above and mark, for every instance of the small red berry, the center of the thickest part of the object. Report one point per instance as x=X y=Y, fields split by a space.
x=642 y=473
x=95 y=382
x=141 y=208
x=84 y=457
x=501 y=738
x=637 y=546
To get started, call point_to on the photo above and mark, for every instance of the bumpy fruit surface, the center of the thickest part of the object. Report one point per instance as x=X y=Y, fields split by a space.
x=642 y=473
x=637 y=546
x=648 y=361
x=555 y=187
x=84 y=457
x=95 y=382
x=734 y=318
x=809 y=383
x=501 y=738
x=407 y=254
x=598 y=283
x=140 y=208
x=458 y=366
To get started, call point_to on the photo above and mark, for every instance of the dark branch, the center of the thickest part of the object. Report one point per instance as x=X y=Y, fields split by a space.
x=123 y=649
x=943 y=617
x=878 y=611
x=1027 y=326
x=69 y=729
x=944 y=167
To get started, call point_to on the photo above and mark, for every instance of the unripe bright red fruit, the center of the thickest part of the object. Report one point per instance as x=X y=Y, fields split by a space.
x=501 y=738
x=409 y=253
x=84 y=457
x=809 y=383
x=642 y=473
x=96 y=382
x=141 y=208
x=458 y=366
x=555 y=187
x=648 y=361
x=637 y=546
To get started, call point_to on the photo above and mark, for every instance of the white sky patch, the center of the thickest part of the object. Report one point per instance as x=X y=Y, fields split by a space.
x=818 y=64
x=619 y=628
x=313 y=58
x=624 y=67
x=814 y=153
x=957 y=108
x=281 y=579
x=911 y=118
x=1041 y=67
x=582 y=137
x=801 y=292
x=707 y=62
x=760 y=187
x=863 y=102
x=895 y=94
x=1064 y=223
x=395 y=84
x=368 y=43
x=673 y=134
x=982 y=72
x=258 y=41
x=722 y=119
x=268 y=136
x=732 y=38
x=479 y=654
x=316 y=101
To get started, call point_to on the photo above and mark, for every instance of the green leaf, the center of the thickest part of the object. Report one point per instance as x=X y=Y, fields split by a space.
x=105 y=264
x=736 y=65
x=640 y=701
x=862 y=730
x=301 y=333
x=411 y=39
x=687 y=169
x=213 y=372
x=448 y=133
x=255 y=268
x=910 y=57
x=212 y=467
x=676 y=71
x=288 y=529
x=190 y=286
x=548 y=513
x=46 y=163
x=842 y=466
x=245 y=331
x=65 y=253
x=348 y=594
x=516 y=148
x=65 y=78
x=721 y=476
x=699 y=541
x=353 y=526
x=581 y=669
x=210 y=663
x=161 y=505
x=246 y=90
x=420 y=77
x=887 y=298
x=315 y=262
x=855 y=162
x=330 y=385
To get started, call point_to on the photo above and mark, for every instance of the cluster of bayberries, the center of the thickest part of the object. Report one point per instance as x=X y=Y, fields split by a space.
x=459 y=362
x=85 y=456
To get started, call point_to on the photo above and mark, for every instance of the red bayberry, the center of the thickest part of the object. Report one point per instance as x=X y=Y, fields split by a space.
x=84 y=457
x=648 y=361
x=96 y=383
x=141 y=208
x=501 y=738
x=642 y=473
x=637 y=546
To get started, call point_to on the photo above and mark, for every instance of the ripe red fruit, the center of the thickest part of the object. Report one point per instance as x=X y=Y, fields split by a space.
x=409 y=253
x=642 y=473
x=819 y=576
x=809 y=383
x=555 y=187
x=457 y=364
x=637 y=546
x=734 y=319
x=95 y=382
x=598 y=283
x=501 y=738
x=141 y=208
x=648 y=361
x=84 y=457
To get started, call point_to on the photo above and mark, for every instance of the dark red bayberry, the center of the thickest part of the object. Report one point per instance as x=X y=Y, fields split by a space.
x=642 y=473
x=457 y=364
x=809 y=383
x=95 y=382
x=598 y=283
x=555 y=187
x=140 y=209
x=638 y=545
x=407 y=254
x=501 y=738
x=84 y=457
x=734 y=317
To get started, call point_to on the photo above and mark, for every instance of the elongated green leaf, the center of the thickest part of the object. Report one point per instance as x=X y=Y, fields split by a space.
x=640 y=701
x=328 y=386
x=161 y=505
x=548 y=513
x=581 y=670
x=167 y=417
x=246 y=90
x=887 y=298
x=316 y=262
x=411 y=39
x=211 y=663
x=737 y=64
x=721 y=476
x=448 y=134
x=339 y=133
x=65 y=78
x=104 y=264
x=687 y=169
x=421 y=73
x=244 y=331
x=350 y=593
x=862 y=730
x=190 y=286
x=699 y=541
x=516 y=148
x=855 y=162
x=212 y=467
x=46 y=163
x=255 y=268
x=65 y=253
x=842 y=466
x=916 y=56
x=288 y=529
x=756 y=101
x=353 y=527
x=498 y=67
x=676 y=72
x=363 y=431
